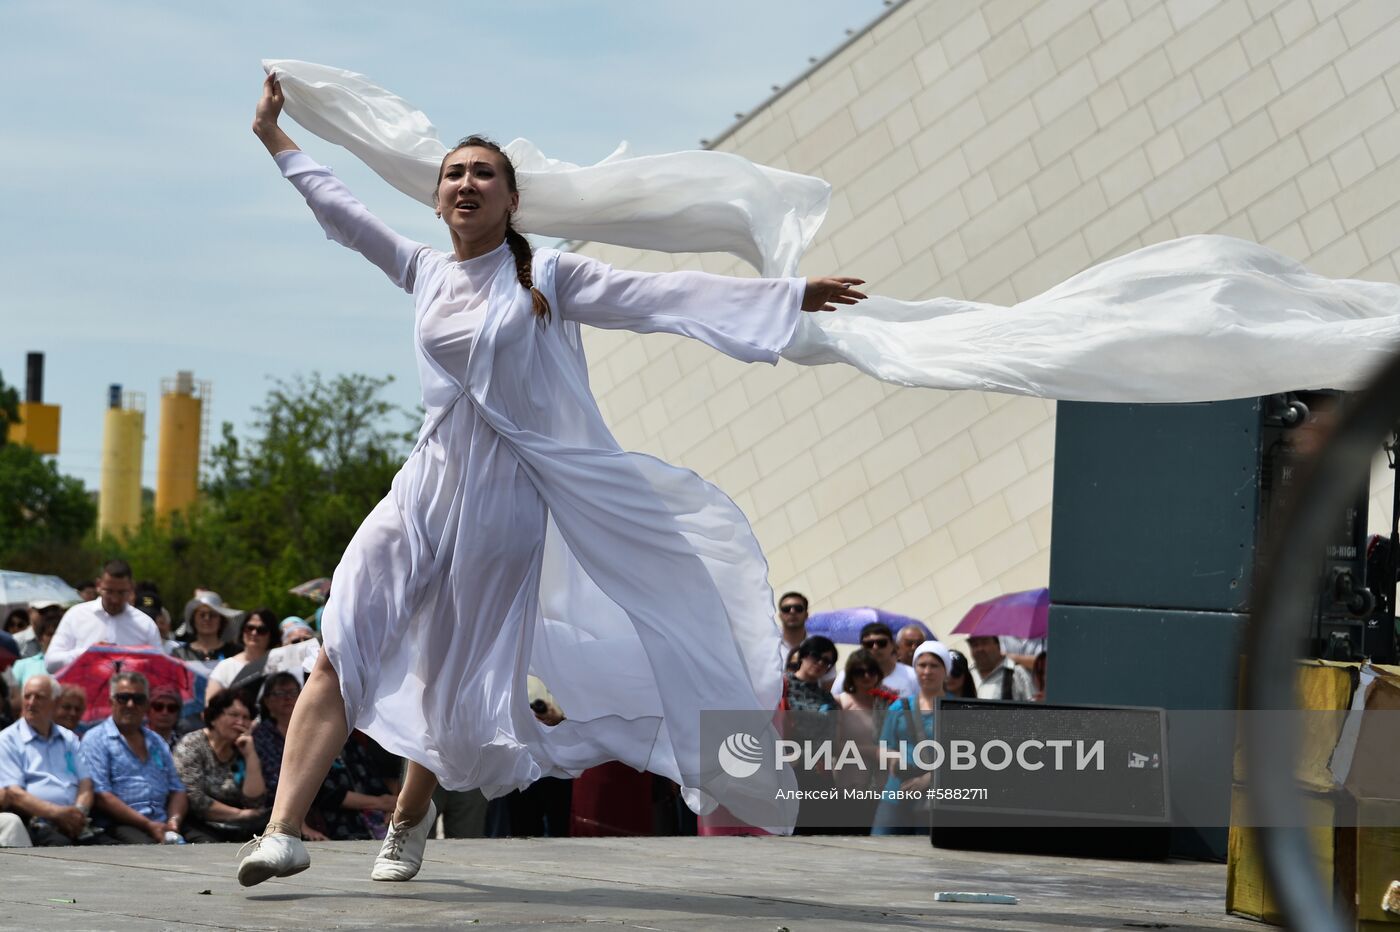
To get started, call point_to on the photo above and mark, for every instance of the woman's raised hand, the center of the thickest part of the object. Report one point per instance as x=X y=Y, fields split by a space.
x=265 y=118
x=825 y=292
x=269 y=106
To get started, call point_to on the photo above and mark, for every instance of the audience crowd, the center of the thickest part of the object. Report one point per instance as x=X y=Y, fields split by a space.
x=169 y=768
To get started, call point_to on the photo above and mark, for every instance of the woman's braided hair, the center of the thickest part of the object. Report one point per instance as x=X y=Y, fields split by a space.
x=519 y=245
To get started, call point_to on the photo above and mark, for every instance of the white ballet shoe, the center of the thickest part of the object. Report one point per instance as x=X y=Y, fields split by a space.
x=402 y=853
x=273 y=855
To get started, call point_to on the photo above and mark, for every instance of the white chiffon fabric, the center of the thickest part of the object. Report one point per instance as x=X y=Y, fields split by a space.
x=1194 y=319
x=519 y=538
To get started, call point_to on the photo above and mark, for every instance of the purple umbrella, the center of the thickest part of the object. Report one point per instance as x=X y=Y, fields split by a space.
x=843 y=625
x=1016 y=614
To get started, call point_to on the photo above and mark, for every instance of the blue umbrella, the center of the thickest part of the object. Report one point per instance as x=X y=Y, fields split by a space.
x=843 y=625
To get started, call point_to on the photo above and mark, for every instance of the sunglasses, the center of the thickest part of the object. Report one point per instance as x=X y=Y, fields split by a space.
x=860 y=673
x=283 y=694
x=792 y=609
x=875 y=643
x=129 y=699
x=256 y=629
x=165 y=706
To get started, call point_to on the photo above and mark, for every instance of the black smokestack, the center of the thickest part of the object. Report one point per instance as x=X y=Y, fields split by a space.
x=34 y=378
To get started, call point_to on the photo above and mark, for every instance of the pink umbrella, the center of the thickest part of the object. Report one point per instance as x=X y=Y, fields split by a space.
x=93 y=670
x=1015 y=614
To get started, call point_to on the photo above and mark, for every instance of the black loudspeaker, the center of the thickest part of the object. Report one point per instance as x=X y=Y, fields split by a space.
x=1160 y=512
x=1117 y=806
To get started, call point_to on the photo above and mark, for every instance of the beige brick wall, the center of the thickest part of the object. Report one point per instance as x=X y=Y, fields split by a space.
x=989 y=150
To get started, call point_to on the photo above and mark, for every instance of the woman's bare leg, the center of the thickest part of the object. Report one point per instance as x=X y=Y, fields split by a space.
x=418 y=785
x=315 y=737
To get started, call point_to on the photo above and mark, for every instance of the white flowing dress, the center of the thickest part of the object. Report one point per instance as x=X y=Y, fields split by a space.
x=518 y=537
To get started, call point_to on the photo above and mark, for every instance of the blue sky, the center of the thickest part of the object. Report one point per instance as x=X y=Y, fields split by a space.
x=144 y=230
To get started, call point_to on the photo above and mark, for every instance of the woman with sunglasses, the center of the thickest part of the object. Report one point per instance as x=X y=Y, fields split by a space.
x=220 y=768
x=864 y=700
x=204 y=633
x=804 y=691
x=260 y=633
x=960 y=677
x=163 y=713
x=16 y=621
x=861 y=689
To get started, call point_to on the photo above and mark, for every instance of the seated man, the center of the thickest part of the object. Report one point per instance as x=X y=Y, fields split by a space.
x=133 y=772
x=42 y=768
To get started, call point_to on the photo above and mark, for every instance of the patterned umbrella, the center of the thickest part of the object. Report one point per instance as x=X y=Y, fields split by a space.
x=1015 y=614
x=843 y=625
x=317 y=589
x=94 y=668
x=23 y=588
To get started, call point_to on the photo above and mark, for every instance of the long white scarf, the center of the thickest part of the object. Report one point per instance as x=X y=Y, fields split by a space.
x=1191 y=319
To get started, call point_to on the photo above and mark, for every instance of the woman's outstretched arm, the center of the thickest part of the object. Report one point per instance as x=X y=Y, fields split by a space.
x=340 y=213
x=751 y=319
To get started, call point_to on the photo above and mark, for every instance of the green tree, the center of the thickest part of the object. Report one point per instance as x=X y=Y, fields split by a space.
x=42 y=512
x=9 y=410
x=280 y=505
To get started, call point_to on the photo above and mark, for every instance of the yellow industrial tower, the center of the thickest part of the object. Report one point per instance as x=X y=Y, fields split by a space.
x=123 y=439
x=184 y=412
x=38 y=422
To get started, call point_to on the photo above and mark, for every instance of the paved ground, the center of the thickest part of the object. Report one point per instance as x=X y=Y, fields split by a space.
x=798 y=884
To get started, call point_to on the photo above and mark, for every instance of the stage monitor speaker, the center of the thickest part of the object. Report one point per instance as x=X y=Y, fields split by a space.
x=1120 y=809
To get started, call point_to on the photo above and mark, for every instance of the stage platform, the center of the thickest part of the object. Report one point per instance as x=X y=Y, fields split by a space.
x=799 y=884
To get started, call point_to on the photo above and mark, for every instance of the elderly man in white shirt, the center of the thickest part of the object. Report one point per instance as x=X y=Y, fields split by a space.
x=43 y=771
x=107 y=619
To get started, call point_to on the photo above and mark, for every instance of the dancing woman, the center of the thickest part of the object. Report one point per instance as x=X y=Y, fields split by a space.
x=656 y=603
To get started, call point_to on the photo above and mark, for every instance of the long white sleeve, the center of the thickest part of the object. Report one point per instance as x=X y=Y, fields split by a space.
x=751 y=319
x=347 y=221
x=86 y=624
x=63 y=647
